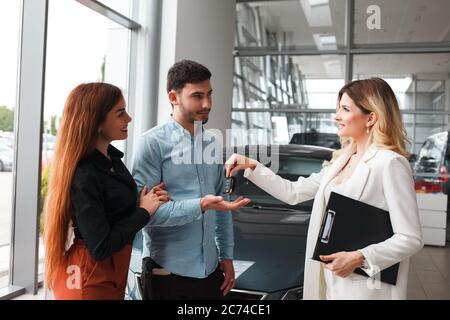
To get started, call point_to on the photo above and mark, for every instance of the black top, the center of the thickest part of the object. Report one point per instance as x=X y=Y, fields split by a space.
x=104 y=204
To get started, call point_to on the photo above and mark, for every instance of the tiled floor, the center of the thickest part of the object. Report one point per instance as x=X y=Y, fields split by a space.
x=429 y=274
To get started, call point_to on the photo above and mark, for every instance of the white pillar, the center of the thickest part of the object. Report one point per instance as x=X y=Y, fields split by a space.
x=203 y=31
x=144 y=69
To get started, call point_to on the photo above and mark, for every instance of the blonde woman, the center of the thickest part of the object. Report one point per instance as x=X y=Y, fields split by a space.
x=372 y=168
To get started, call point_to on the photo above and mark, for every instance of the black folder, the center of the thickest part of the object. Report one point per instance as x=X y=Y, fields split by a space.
x=350 y=225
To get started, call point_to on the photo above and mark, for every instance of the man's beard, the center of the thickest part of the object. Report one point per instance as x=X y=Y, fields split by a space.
x=191 y=115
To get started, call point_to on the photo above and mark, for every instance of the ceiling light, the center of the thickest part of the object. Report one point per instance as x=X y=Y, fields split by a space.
x=316 y=3
x=317 y=13
x=325 y=41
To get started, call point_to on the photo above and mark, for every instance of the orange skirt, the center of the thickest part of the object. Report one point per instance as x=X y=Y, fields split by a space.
x=86 y=279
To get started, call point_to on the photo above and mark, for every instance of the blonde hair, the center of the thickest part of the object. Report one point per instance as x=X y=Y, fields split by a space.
x=375 y=95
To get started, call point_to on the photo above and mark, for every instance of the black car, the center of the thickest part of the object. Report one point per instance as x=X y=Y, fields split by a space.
x=270 y=236
x=314 y=138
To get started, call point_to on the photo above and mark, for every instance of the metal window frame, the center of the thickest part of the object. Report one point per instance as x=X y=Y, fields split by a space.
x=295 y=51
x=296 y=109
x=111 y=14
x=27 y=173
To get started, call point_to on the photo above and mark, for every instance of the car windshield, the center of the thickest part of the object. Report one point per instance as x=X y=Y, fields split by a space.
x=290 y=168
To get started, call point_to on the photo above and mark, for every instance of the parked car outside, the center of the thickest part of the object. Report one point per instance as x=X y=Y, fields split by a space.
x=269 y=235
x=433 y=160
x=432 y=166
x=6 y=158
x=7 y=141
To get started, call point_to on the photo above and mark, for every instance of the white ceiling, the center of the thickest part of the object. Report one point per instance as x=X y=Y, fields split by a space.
x=289 y=16
x=401 y=20
x=404 y=21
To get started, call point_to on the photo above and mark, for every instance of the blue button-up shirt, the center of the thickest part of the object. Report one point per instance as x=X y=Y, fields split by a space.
x=179 y=237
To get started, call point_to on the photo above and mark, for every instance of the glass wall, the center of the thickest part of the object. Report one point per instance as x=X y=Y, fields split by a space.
x=287 y=81
x=295 y=24
x=10 y=18
x=292 y=57
x=279 y=82
x=95 y=50
x=419 y=81
x=48 y=48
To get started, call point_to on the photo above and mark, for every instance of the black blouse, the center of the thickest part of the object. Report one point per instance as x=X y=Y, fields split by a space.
x=104 y=204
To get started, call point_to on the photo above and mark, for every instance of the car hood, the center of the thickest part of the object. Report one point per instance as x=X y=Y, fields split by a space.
x=269 y=250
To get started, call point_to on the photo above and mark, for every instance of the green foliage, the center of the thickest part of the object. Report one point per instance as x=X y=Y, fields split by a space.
x=102 y=69
x=6 y=119
x=53 y=126
x=44 y=188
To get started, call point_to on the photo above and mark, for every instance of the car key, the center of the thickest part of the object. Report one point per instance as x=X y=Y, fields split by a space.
x=229 y=185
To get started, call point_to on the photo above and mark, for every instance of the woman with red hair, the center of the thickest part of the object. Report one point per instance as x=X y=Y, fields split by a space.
x=93 y=197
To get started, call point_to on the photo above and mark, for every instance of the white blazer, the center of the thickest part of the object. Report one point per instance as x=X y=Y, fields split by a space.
x=383 y=179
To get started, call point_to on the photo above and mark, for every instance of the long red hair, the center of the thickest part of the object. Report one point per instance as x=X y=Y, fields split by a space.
x=84 y=111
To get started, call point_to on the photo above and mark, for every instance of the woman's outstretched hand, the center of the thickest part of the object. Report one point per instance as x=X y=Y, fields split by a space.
x=238 y=162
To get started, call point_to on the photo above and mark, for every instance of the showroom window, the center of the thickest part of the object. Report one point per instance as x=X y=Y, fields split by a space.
x=278 y=82
x=49 y=48
x=10 y=18
x=292 y=57
x=418 y=81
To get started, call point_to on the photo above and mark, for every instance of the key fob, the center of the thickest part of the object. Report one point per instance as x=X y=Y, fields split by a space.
x=229 y=185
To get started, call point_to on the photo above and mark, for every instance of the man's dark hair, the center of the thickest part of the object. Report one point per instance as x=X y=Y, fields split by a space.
x=186 y=71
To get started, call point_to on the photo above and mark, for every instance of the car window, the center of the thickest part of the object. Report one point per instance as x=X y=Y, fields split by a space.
x=294 y=167
x=328 y=140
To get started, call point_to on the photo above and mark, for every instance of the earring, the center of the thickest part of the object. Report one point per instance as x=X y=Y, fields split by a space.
x=367 y=131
